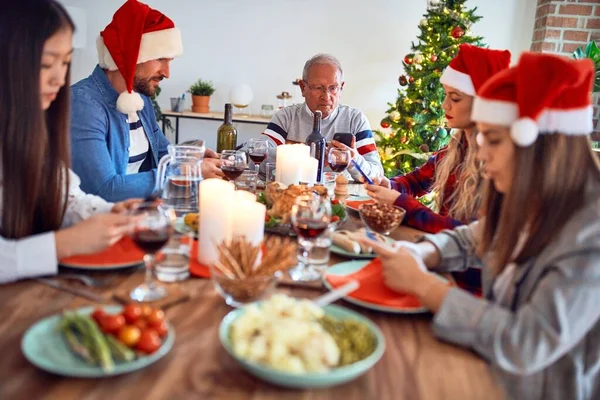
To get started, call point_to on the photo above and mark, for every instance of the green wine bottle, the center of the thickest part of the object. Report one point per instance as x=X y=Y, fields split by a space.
x=226 y=134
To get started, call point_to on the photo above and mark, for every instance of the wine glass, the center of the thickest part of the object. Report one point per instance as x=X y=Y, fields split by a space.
x=258 y=149
x=152 y=228
x=338 y=159
x=311 y=215
x=233 y=163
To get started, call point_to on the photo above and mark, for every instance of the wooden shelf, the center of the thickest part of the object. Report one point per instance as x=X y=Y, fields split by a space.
x=218 y=116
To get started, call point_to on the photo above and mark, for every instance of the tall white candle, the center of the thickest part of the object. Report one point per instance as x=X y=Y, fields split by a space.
x=248 y=218
x=289 y=158
x=216 y=217
x=308 y=170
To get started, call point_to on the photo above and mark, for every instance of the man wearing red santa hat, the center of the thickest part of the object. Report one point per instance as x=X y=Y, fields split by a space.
x=115 y=141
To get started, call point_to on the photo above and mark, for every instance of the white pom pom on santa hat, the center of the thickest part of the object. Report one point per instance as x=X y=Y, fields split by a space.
x=524 y=131
x=130 y=103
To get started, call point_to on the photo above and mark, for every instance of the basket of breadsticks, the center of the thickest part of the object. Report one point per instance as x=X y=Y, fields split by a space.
x=246 y=273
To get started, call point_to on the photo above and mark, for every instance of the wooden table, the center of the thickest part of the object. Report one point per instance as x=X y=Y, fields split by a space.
x=415 y=365
x=212 y=116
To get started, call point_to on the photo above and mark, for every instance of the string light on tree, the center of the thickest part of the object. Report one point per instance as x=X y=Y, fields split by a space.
x=416 y=117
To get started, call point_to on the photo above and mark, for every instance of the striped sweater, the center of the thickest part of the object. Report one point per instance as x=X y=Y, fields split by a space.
x=294 y=124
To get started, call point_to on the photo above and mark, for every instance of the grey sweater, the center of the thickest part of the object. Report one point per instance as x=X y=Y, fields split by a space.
x=542 y=338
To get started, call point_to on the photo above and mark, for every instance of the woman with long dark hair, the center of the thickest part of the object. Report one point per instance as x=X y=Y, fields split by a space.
x=45 y=216
x=538 y=242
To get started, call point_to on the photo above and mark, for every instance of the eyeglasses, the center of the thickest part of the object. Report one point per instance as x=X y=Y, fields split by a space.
x=333 y=89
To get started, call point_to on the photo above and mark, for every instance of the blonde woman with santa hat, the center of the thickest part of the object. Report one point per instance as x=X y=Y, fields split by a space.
x=453 y=173
x=115 y=140
x=538 y=324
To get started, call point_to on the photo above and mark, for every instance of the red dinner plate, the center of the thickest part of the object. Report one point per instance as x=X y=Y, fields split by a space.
x=122 y=254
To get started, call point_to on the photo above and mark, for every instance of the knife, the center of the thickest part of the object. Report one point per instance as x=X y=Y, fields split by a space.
x=73 y=290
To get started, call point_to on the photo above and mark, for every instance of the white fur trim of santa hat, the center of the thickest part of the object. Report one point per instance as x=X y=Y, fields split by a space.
x=524 y=131
x=129 y=103
x=165 y=43
x=458 y=80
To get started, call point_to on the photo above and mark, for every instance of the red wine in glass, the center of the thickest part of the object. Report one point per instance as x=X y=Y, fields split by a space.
x=310 y=229
x=338 y=166
x=257 y=158
x=150 y=241
x=232 y=172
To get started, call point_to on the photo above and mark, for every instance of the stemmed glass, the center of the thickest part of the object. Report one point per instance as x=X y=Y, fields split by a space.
x=233 y=163
x=152 y=228
x=311 y=215
x=338 y=159
x=258 y=149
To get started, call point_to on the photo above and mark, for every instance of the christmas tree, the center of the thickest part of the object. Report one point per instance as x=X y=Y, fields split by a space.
x=415 y=124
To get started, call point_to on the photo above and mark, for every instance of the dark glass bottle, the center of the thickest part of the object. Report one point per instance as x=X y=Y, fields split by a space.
x=317 y=144
x=226 y=134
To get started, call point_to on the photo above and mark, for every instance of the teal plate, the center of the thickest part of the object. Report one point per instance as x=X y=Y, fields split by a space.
x=350 y=267
x=334 y=377
x=46 y=348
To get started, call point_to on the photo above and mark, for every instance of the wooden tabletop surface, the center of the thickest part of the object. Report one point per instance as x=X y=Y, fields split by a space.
x=415 y=364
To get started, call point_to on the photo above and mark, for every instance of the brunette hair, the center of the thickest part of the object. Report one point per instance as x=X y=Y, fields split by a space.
x=547 y=191
x=34 y=143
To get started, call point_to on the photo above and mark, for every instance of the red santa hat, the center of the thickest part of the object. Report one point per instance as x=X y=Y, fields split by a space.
x=543 y=93
x=472 y=66
x=136 y=34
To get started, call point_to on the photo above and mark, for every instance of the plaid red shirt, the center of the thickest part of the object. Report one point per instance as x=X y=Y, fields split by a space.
x=418 y=183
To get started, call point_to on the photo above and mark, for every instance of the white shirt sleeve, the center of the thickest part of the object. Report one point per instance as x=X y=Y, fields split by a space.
x=81 y=205
x=29 y=257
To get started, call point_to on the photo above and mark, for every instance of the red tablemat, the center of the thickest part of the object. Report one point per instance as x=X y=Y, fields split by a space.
x=197 y=269
x=372 y=288
x=124 y=252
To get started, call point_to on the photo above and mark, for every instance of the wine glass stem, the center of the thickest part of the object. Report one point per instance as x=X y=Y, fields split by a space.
x=149 y=262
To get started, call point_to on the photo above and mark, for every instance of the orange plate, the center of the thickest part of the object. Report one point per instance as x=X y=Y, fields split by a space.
x=122 y=254
x=354 y=204
x=373 y=290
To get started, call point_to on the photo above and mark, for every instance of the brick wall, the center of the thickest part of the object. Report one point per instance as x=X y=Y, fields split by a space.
x=561 y=26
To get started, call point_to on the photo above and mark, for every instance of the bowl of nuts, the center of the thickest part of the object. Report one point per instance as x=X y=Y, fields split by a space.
x=245 y=273
x=381 y=218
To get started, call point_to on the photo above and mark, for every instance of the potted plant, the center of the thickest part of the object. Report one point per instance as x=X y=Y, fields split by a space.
x=201 y=92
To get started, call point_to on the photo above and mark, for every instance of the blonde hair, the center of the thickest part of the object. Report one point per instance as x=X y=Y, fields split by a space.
x=548 y=189
x=460 y=160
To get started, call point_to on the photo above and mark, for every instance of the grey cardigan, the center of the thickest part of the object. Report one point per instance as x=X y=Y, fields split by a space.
x=542 y=338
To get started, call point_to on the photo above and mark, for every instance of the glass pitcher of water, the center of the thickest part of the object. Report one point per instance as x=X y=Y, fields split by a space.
x=178 y=176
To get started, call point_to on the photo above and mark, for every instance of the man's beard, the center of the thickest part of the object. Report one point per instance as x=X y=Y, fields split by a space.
x=144 y=86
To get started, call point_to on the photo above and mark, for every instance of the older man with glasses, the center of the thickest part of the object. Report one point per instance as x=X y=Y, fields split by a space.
x=322 y=83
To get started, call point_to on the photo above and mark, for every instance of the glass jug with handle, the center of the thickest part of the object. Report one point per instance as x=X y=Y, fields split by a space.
x=178 y=176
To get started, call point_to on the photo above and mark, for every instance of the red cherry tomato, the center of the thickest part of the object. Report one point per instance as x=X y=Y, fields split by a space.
x=335 y=218
x=98 y=314
x=146 y=310
x=129 y=335
x=160 y=327
x=149 y=341
x=132 y=312
x=141 y=323
x=335 y=201
x=157 y=315
x=112 y=323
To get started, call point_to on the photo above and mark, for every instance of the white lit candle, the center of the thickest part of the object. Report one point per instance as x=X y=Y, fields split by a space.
x=248 y=218
x=288 y=160
x=308 y=170
x=216 y=217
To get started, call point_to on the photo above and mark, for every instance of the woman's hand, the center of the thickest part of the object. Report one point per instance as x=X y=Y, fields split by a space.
x=211 y=168
x=382 y=181
x=125 y=206
x=92 y=235
x=382 y=194
x=404 y=271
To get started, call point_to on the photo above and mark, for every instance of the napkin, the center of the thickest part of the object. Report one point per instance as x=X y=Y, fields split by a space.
x=372 y=288
x=197 y=269
x=123 y=252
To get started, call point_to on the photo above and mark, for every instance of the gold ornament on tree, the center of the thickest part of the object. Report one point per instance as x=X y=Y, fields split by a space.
x=395 y=116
